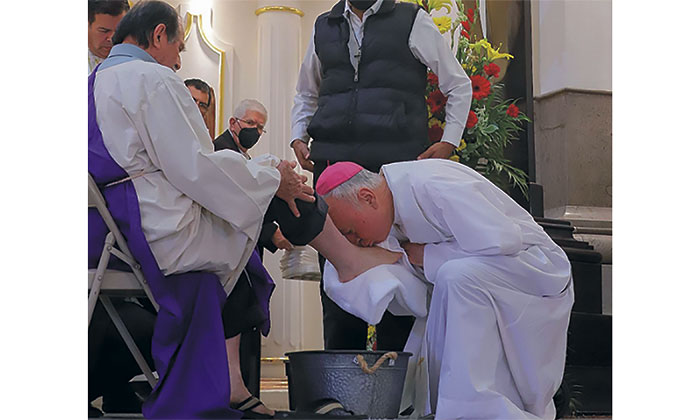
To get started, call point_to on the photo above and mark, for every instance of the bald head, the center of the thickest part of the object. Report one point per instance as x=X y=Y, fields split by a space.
x=360 y=205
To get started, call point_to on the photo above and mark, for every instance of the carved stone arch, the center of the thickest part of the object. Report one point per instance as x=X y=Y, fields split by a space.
x=208 y=58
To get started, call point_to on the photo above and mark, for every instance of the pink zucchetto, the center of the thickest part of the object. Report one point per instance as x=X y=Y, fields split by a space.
x=335 y=175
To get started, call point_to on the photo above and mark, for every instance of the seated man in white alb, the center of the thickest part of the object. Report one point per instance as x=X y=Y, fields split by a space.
x=495 y=337
x=198 y=210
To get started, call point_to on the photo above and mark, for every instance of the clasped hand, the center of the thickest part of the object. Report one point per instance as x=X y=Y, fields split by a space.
x=301 y=150
x=292 y=186
x=414 y=252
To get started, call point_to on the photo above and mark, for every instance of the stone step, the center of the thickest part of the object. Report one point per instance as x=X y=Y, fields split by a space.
x=274 y=393
x=555 y=228
x=562 y=233
x=584 y=255
x=582 y=230
x=572 y=243
x=599 y=224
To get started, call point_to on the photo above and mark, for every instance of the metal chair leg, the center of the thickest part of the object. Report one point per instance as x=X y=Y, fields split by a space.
x=126 y=336
x=99 y=274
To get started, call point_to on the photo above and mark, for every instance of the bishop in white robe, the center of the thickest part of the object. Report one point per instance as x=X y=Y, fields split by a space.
x=493 y=343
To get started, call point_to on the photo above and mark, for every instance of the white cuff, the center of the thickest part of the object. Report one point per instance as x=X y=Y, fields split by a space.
x=435 y=255
x=452 y=134
x=431 y=262
x=300 y=134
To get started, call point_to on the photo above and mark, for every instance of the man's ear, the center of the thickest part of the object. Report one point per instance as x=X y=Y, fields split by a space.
x=160 y=37
x=367 y=196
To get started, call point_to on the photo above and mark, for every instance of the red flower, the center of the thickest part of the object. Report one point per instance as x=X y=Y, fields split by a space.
x=466 y=25
x=465 y=33
x=472 y=119
x=435 y=133
x=470 y=15
x=492 y=69
x=436 y=101
x=432 y=79
x=513 y=111
x=481 y=88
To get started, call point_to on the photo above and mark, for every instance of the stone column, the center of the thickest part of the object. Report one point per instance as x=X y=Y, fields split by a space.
x=279 y=59
x=295 y=308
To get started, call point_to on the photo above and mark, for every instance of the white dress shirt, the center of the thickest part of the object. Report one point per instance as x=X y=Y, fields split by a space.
x=427 y=45
x=93 y=61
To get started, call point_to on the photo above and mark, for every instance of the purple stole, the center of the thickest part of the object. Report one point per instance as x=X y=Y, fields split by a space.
x=188 y=338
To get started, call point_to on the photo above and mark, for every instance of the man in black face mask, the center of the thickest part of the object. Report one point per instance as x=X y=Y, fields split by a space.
x=242 y=320
x=244 y=128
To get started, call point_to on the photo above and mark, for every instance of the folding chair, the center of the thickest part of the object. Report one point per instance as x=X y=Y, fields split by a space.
x=104 y=283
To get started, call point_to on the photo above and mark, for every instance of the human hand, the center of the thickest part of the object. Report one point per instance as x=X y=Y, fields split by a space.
x=301 y=149
x=292 y=186
x=280 y=241
x=439 y=150
x=414 y=252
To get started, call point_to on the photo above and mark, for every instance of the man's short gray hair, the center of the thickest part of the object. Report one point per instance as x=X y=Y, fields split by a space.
x=249 y=105
x=348 y=189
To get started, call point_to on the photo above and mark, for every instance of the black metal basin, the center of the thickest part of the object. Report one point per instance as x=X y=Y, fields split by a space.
x=315 y=376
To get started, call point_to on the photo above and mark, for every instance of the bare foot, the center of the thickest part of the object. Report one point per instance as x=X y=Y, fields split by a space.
x=364 y=259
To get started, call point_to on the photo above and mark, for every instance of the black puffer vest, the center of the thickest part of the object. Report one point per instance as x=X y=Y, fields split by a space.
x=379 y=116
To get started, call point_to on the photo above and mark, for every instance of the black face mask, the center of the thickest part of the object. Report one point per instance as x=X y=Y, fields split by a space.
x=248 y=136
x=362 y=4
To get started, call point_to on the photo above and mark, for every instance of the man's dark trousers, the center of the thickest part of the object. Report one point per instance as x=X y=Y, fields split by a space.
x=344 y=331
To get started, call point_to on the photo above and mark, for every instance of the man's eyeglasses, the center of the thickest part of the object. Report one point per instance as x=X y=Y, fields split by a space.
x=202 y=105
x=260 y=127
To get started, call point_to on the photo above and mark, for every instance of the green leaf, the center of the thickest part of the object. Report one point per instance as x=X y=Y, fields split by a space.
x=490 y=129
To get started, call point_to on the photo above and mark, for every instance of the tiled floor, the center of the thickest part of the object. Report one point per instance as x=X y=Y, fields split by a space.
x=274 y=395
x=136 y=416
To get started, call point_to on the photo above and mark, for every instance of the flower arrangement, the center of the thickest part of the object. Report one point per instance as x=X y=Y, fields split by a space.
x=371 y=338
x=493 y=121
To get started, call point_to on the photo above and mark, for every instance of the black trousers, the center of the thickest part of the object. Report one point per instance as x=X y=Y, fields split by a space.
x=298 y=230
x=344 y=331
x=110 y=364
x=241 y=311
x=242 y=314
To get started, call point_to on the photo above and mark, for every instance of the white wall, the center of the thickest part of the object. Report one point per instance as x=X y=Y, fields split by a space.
x=311 y=9
x=234 y=22
x=572 y=45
